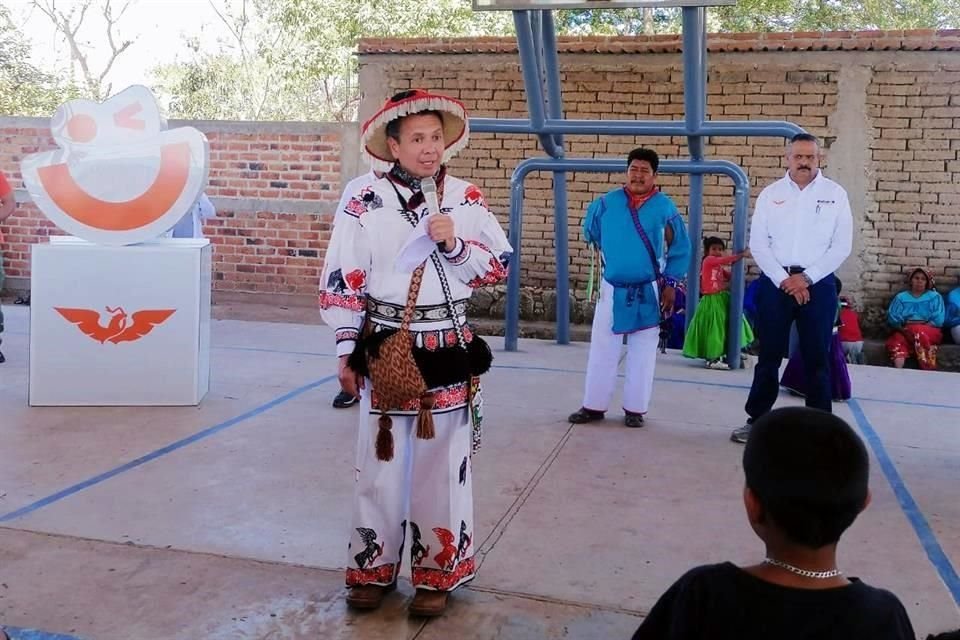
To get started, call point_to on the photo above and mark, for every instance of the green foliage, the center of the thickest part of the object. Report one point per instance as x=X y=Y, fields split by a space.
x=617 y=21
x=24 y=89
x=296 y=59
x=772 y=15
x=835 y=15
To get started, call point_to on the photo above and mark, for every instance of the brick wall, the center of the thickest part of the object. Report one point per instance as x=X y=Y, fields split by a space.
x=886 y=104
x=914 y=219
x=275 y=186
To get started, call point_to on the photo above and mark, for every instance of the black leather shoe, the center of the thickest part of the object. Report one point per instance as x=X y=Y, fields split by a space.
x=344 y=400
x=584 y=415
x=633 y=420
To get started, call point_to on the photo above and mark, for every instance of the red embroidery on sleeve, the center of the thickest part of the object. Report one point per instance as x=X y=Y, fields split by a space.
x=473 y=196
x=356 y=279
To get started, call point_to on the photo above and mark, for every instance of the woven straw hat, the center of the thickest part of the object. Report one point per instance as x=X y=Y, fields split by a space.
x=373 y=135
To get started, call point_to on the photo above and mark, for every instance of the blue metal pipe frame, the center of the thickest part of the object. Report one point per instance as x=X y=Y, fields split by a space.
x=532 y=79
x=618 y=165
x=539 y=63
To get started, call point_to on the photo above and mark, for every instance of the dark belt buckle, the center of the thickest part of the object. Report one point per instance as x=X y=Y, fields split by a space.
x=795 y=270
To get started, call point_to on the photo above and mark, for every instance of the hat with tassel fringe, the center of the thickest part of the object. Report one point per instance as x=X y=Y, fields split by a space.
x=373 y=135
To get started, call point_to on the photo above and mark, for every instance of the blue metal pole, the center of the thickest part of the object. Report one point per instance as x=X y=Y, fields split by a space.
x=512 y=321
x=742 y=198
x=536 y=32
x=532 y=78
x=598 y=165
x=561 y=242
x=552 y=69
x=553 y=126
x=561 y=229
x=695 y=108
x=529 y=69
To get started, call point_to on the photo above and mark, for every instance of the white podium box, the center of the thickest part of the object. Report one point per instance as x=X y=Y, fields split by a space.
x=120 y=325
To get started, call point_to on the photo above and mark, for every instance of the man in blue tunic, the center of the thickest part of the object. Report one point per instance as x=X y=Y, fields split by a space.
x=645 y=252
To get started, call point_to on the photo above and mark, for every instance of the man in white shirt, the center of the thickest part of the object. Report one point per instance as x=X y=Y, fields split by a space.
x=801 y=232
x=355 y=187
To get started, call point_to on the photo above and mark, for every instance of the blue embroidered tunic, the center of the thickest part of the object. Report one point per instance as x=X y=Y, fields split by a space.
x=906 y=308
x=953 y=309
x=627 y=264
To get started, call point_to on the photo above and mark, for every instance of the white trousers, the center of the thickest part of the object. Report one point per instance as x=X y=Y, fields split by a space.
x=421 y=500
x=604 y=360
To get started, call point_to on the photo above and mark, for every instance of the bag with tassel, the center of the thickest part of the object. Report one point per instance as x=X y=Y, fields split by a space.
x=397 y=379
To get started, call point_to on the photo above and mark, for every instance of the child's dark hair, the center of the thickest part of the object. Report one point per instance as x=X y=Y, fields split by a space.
x=710 y=241
x=809 y=471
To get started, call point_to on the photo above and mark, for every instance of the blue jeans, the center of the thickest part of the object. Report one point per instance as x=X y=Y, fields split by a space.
x=776 y=312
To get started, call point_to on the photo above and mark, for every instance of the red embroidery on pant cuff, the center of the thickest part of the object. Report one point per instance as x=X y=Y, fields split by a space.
x=443 y=580
x=384 y=574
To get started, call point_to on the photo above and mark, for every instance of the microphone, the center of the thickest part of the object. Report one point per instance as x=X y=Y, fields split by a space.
x=429 y=188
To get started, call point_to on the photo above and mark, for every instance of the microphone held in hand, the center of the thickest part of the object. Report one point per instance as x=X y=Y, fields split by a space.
x=429 y=188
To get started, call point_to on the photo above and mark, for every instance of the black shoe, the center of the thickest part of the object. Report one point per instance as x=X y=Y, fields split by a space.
x=584 y=415
x=344 y=400
x=633 y=420
x=2 y=360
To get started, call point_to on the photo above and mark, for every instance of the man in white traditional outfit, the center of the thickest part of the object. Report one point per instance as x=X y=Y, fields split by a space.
x=414 y=489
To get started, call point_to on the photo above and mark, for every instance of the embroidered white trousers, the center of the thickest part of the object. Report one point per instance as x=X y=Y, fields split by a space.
x=421 y=501
x=603 y=362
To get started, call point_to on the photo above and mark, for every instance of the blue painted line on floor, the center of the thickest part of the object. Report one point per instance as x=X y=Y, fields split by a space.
x=179 y=444
x=283 y=351
x=921 y=527
x=721 y=385
x=909 y=403
x=19 y=633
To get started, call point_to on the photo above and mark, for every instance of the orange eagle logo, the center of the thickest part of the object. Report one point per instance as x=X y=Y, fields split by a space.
x=120 y=328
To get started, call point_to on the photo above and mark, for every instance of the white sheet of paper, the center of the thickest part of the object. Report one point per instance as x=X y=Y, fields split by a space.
x=416 y=249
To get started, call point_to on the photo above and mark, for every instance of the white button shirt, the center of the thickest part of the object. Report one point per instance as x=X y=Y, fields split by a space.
x=810 y=228
x=191 y=224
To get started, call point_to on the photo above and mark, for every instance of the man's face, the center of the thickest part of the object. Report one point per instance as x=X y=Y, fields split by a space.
x=420 y=148
x=803 y=160
x=641 y=177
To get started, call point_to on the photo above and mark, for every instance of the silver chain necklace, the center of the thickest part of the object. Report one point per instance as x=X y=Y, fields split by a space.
x=806 y=573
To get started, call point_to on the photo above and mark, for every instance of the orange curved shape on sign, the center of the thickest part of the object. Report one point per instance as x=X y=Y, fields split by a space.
x=121 y=216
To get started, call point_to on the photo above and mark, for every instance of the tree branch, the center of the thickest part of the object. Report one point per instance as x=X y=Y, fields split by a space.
x=68 y=25
x=114 y=50
x=233 y=31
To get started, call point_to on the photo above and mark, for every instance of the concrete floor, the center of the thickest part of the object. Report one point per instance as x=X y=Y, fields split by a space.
x=229 y=520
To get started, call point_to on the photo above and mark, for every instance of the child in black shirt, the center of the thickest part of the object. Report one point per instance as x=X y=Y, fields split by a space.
x=806 y=482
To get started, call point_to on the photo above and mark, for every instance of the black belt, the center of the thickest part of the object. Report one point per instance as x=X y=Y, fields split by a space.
x=794 y=270
x=378 y=309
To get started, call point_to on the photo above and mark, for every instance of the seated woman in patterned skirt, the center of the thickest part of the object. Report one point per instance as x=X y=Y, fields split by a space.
x=916 y=316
